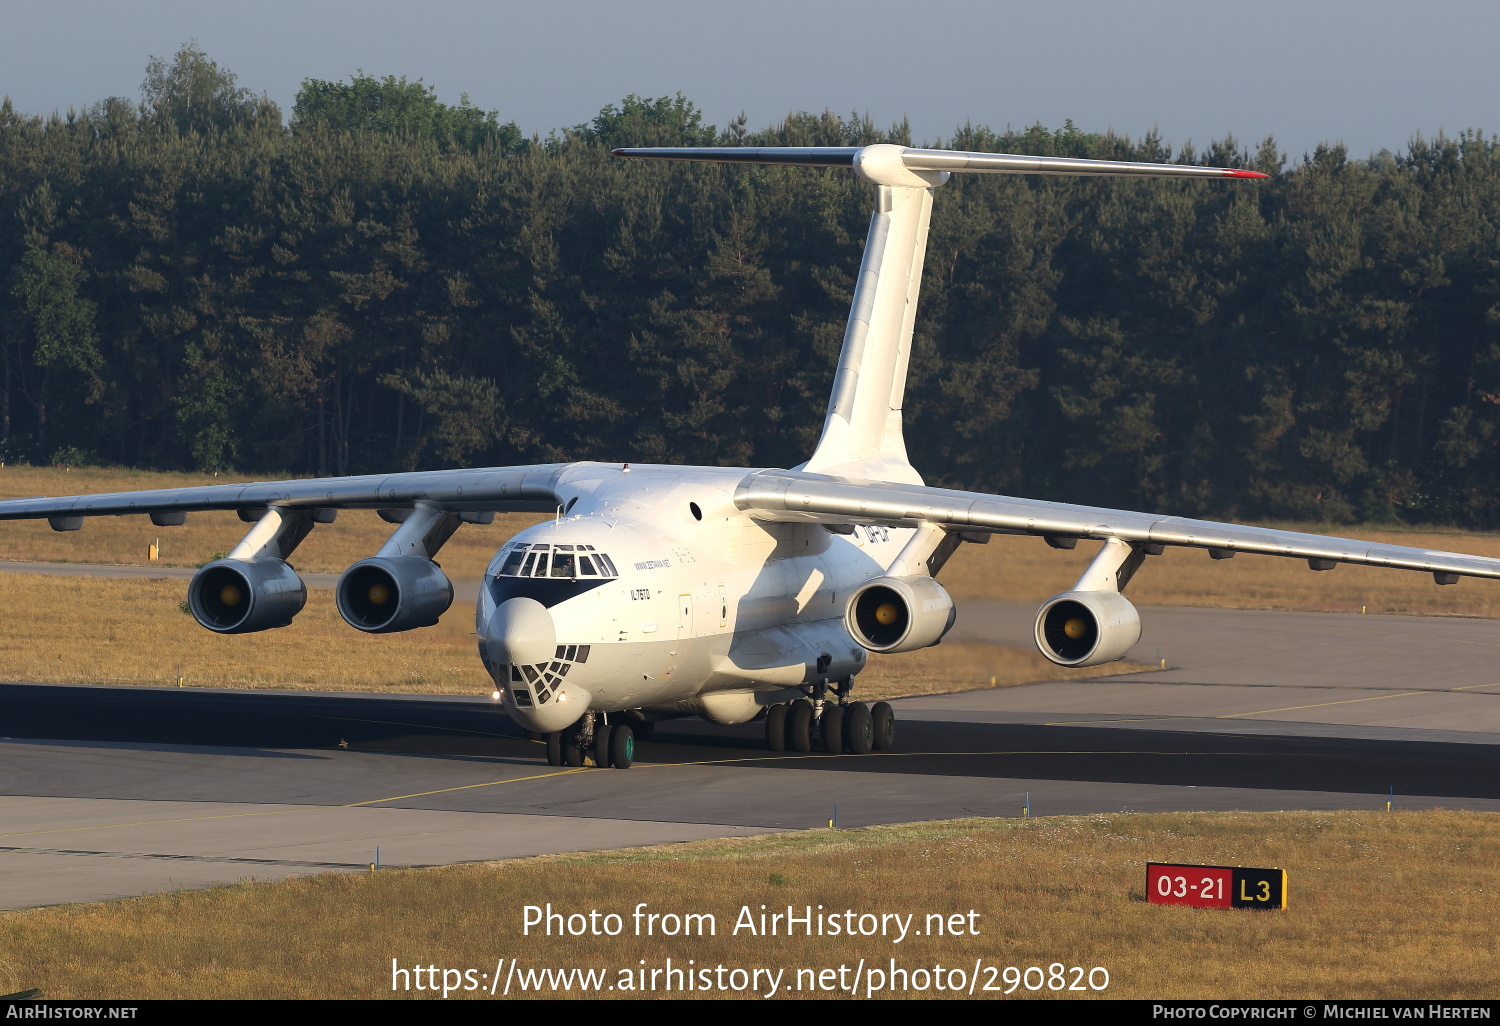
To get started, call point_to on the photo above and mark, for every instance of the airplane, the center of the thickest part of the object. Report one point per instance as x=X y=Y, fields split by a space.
x=729 y=593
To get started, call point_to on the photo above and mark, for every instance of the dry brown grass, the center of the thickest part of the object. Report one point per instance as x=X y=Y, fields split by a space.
x=1381 y=906
x=131 y=631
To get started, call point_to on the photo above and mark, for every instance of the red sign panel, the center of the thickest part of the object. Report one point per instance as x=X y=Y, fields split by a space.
x=1215 y=886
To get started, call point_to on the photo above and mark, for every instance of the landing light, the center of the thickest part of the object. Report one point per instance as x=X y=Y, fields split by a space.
x=1075 y=628
x=230 y=595
x=495 y=695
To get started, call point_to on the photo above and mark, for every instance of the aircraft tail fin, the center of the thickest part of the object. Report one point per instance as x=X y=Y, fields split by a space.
x=862 y=431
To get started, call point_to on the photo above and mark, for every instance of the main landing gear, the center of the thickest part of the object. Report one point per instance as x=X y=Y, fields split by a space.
x=591 y=739
x=835 y=727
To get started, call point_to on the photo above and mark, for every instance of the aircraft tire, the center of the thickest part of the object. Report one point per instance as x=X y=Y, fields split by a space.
x=572 y=753
x=554 y=748
x=776 y=727
x=831 y=726
x=883 y=726
x=859 y=730
x=799 y=726
x=600 y=751
x=621 y=746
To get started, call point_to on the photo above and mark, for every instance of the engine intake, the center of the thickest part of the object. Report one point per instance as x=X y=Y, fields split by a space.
x=899 y=614
x=1086 y=628
x=386 y=594
x=241 y=596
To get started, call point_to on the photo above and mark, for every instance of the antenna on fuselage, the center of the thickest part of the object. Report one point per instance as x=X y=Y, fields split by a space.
x=862 y=433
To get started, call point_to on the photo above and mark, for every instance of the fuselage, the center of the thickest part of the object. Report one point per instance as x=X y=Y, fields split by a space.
x=663 y=596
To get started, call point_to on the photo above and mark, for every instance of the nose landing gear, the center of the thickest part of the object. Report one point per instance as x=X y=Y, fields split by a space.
x=593 y=740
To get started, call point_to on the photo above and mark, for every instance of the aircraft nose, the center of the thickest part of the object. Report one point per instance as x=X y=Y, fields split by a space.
x=520 y=630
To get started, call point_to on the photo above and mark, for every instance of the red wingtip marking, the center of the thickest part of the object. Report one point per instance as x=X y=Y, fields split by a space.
x=1235 y=172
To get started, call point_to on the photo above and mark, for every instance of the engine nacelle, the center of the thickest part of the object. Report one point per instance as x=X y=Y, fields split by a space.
x=386 y=594
x=241 y=596
x=1086 y=628
x=899 y=614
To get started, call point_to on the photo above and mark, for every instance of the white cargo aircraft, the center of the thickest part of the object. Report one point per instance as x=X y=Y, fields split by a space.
x=727 y=593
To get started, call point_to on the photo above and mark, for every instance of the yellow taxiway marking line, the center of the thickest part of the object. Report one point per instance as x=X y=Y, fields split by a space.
x=284 y=812
x=715 y=762
x=1259 y=712
x=1319 y=705
x=1347 y=701
x=572 y=771
x=461 y=787
x=900 y=755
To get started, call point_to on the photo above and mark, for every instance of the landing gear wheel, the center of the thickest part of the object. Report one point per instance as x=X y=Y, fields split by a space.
x=621 y=746
x=799 y=726
x=600 y=751
x=776 y=727
x=571 y=752
x=831 y=726
x=883 y=724
x=858 y=729
x=554 y=748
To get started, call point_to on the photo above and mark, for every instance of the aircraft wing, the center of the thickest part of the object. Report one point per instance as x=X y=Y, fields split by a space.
x=782 y=495
x=500 y=489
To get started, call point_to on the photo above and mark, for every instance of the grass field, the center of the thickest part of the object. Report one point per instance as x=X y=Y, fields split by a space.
x=1382 y=905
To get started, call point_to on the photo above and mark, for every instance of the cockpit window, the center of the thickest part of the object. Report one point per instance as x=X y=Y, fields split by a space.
x=556 y=562
x=512 y=562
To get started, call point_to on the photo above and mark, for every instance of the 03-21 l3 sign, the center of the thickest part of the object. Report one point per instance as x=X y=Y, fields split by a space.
x=1215 y=886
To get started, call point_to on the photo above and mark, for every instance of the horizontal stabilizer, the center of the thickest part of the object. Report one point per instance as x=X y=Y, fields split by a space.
x=808 y=156
x=916 y=159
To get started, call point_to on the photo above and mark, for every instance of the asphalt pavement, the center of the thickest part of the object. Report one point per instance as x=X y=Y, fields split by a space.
x=113 y=791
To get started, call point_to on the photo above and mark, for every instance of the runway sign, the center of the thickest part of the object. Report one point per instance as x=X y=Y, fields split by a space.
x=1215 y=886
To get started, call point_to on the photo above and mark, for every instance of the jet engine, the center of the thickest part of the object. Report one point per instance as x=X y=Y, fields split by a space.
x=1086 y=628
x=241 y=596
x=899 y=614
x=385 y=594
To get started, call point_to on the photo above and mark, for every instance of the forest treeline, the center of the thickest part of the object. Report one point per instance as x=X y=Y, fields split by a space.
x=383 y=281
